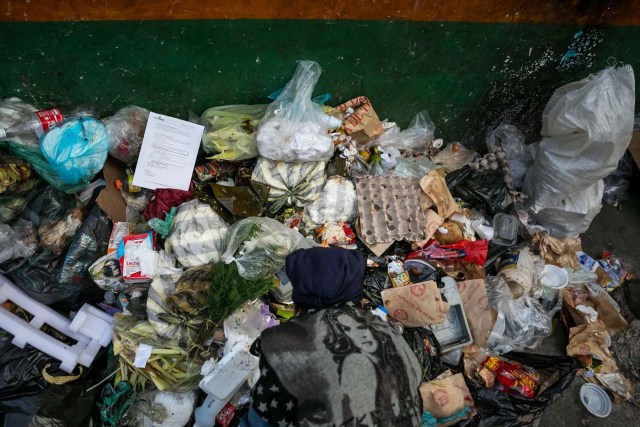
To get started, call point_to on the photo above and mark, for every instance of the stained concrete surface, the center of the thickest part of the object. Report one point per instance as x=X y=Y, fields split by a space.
x=619 y=232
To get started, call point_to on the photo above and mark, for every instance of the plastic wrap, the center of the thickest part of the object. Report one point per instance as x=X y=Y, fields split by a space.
x=519 y=157
x=229 y=131
x=412 y=167
x=586 y=127
x=126 y=131
x=337 y=202
x=105 y=272
x=416 y=137
x=259 y=246
x=17 y=241
x=76 y=150
x=197 y=234
x=294 y=129
x=522 y=324
x=292 y=184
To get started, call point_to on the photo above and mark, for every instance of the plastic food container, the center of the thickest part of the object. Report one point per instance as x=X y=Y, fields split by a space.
x=505 y=229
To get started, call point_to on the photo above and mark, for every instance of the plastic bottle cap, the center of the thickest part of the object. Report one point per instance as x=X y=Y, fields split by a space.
x=596 y=400
x=118 y=184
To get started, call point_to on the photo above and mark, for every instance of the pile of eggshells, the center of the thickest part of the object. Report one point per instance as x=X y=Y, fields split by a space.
x=494 y=161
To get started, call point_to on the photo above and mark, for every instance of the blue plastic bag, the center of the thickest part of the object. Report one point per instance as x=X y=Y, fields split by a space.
x=76 y=150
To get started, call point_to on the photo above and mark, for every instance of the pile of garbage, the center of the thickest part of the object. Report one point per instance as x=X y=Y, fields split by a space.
x=161 y=272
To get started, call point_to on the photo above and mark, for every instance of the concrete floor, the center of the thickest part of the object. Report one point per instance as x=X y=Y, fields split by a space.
x=617 y=231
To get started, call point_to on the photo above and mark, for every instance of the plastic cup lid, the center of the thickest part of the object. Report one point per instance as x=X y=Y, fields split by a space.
x=595 y=399
x=554 y=277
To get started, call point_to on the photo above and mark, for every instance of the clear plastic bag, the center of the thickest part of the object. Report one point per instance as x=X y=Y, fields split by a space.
x=519 y=157
x=197 y=234
x=573 y=215
x=13 y=110
x=295 y=129
x=229 y=131
x=454 y=156
x=17 y=241
x=126 y=131
x=411 y=167
x=523 y=323
x=416 y=137
x=337 y=202
x=586 y=128
x=259 y=246
x=76 y=150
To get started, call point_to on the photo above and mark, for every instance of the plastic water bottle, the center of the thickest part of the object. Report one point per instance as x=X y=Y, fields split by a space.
x=35 y=123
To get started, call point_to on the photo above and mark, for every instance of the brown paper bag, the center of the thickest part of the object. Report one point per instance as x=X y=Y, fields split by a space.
x=445 y=396
x=364 y=124
x=588 y=343
x=481 y=318
x=416 y=305
x=560 y=252
x=435 y=186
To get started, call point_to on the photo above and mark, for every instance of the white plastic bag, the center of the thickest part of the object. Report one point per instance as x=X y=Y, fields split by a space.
x=586 y=128
x=295 y=129
x=519 y=157
x=338 y=202
x=197 y=234
x=259 y=246
x=574 y=214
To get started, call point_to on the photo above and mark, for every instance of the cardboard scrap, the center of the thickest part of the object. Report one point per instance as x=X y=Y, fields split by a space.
x=416 y=305
x=110 y=199
x=446 y=396
x=364 y=124
x=435 y=186
x=481 y=317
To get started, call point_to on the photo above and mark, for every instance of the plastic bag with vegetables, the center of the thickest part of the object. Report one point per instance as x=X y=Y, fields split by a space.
x=259 y=246
x=196 y=235
x=229 y=131
x=170 y=366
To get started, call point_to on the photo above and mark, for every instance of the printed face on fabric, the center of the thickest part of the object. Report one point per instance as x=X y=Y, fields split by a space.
x=339 y=367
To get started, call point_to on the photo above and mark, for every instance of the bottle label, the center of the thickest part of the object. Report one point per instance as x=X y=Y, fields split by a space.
x=50 y=118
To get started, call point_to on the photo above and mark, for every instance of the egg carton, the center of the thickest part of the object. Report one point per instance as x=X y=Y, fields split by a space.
x=390 y=209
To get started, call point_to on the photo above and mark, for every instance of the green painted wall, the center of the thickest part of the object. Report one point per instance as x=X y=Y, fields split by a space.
x=468 y=76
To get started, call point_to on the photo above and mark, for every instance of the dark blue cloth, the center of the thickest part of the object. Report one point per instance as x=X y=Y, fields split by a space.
x=325 y=277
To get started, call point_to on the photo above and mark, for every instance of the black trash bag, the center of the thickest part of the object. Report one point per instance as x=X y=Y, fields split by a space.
x=64 y=283
x=497 y=408
x=427 y=350
x=483 y=189
x=20 y=370
x=57 y=217
x=375 y=281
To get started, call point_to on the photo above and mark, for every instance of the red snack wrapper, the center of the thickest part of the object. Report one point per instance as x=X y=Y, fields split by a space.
x=474 y=252
x=513 y=378
x=225 y=416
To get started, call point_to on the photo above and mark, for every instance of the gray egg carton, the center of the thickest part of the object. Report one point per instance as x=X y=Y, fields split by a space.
x=390 y=209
